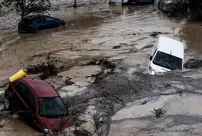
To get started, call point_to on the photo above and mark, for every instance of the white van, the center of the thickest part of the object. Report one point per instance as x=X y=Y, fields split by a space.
x=167 y=55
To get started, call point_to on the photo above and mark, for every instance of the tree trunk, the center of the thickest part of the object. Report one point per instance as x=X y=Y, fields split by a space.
x=22 y=9
x=75 y=4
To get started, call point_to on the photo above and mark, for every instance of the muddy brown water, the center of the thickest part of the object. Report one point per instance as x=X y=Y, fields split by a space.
x=191 y=33
x=122 y=25
x=18 y=128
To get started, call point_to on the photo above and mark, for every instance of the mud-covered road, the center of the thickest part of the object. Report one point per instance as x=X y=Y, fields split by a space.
x=98 y=63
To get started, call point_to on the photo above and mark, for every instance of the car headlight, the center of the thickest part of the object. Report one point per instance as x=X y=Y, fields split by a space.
x=151 y=71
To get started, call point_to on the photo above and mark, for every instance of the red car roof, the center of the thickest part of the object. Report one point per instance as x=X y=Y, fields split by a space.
x=41 y=88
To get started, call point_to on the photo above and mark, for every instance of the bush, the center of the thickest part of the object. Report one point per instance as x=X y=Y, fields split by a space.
x=195 y=9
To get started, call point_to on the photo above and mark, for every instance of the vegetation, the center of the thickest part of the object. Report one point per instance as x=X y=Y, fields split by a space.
x=195 y=9
x=75 y=4
x=26 y=7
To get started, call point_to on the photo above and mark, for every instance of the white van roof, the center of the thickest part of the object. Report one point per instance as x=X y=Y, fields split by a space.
x=170 y=46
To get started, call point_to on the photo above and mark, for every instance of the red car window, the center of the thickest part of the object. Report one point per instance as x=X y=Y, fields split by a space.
x=26 y=95
x=21 y=89
x=51 y=107
x=30 y=99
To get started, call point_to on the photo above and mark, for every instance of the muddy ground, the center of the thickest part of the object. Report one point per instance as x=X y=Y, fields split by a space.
x=98 y=63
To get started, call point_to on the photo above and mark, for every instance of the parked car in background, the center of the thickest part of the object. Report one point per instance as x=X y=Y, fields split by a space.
x=172 y=5
x=38 y=22
x=167 y=55
x=37 y=104
x=144 y=1
x=118 y=1
x=130 y=1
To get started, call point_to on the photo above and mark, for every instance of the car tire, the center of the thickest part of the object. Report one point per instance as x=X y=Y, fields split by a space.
x=6 y=104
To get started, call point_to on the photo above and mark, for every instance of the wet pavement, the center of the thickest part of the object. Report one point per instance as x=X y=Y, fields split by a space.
x=102 y=92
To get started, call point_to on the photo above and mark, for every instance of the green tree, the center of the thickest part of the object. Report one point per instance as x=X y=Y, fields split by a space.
x=195 y=9
x=26 y=7
x=75 y=4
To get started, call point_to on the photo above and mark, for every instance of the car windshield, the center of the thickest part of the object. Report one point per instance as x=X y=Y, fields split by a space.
x=167 y=61
x=51 y=107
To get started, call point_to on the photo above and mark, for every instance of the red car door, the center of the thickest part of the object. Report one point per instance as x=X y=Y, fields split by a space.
x=26 y=104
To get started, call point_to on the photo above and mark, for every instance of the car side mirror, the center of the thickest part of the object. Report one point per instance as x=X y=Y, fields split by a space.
x=150 y=57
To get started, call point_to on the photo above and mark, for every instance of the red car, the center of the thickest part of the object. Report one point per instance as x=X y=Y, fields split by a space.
x=38 y=105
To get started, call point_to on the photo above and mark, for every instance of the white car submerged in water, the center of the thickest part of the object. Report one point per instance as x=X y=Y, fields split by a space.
x=167 y=55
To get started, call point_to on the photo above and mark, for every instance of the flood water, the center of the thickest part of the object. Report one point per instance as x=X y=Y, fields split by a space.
x=18 y=128
x=94 y=32
x=191 y=33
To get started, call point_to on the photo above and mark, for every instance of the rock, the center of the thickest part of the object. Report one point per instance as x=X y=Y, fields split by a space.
x=92 y=62
x=168 y=85
x=193 y=63
x=107 y=64
x=154 y=34
x=117 y=47
x=159 y=112
x=144 y=102
x=68 y=81
x=45 y=69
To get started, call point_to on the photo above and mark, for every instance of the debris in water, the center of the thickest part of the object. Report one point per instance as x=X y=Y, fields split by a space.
x=144 y=102
x=82 y=132
x=92 y=62
x=2 y=124
x=154 y=34
x=167 y=85
x=46 y=69
x=117 y=47
x=193 y=63
x=159 y=112
x=107 y=64
x=103 y=62
x=69 y=82
x=180 y=92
